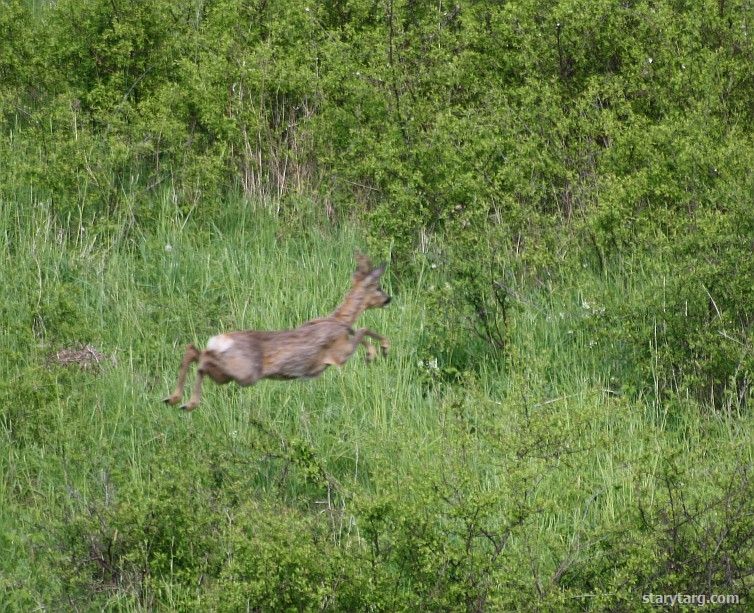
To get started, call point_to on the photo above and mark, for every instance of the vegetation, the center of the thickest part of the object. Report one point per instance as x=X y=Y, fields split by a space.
x=563 y=191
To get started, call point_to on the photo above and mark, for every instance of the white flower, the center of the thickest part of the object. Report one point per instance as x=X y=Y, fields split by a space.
x=168 y=248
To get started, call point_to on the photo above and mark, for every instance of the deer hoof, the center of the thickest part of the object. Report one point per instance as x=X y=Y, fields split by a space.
x=171 y=400
x=371 y=353
x=188 y=407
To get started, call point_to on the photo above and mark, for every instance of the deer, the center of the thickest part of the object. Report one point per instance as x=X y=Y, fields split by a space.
x=302 y=353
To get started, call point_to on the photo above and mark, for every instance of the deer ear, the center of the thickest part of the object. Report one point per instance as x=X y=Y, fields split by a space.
x=375 y=274
x=363 y=261
x=364 y=266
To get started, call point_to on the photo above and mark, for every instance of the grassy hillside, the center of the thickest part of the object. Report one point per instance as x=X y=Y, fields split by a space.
x=522 y=482
x=563 y=195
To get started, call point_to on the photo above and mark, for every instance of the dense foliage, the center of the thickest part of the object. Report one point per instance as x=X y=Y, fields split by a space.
x=564 y=191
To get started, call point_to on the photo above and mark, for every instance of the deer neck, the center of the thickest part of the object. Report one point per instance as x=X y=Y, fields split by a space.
x=350 y=309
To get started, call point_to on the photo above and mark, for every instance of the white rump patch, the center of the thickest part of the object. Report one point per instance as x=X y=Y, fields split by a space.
x=220 y=343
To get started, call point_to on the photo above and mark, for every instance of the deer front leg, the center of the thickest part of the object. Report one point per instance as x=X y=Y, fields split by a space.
x=371 y=351
x=191 y=355
x=384 y=343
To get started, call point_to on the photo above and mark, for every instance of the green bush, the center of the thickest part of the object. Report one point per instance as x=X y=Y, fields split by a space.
x=283 y=560
x=687 y=331
x=136 y=540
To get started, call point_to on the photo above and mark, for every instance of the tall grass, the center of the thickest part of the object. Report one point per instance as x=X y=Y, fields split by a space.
x=546 y=430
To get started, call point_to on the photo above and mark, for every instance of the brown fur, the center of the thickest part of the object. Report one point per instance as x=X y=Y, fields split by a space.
x=305 y=352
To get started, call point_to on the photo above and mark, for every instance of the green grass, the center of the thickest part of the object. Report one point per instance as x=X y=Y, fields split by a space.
x=386 y=463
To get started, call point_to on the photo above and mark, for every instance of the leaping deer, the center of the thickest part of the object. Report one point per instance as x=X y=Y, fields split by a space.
x=304 y=352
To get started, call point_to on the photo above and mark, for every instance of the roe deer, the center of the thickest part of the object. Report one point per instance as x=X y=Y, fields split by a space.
x=305 y=352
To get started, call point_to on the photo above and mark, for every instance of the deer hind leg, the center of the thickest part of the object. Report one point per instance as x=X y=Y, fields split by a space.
x=196 y=394
x=209 y=365
x=191 y=355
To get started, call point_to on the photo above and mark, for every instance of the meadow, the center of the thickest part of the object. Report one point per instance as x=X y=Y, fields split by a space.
x=562 y=195
x=523 y=483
